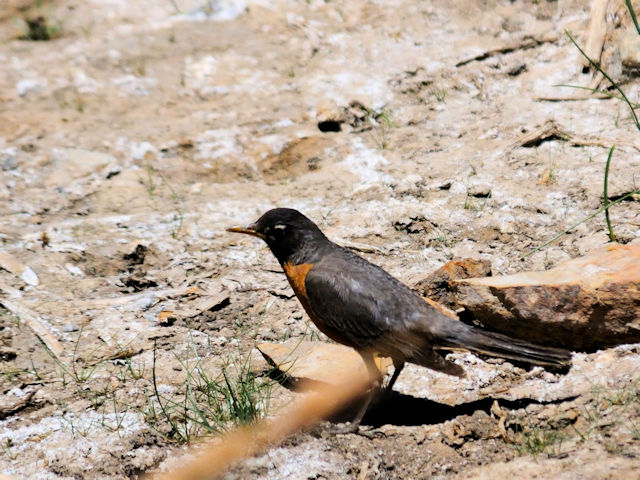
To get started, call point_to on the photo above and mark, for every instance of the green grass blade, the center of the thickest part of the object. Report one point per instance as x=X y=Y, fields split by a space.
x=606 y=196
x=572 y=227
x=615 y=85
x=157 y=393
x=633 y=15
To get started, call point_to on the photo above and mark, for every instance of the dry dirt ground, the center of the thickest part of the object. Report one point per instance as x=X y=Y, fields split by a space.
x=143 y=128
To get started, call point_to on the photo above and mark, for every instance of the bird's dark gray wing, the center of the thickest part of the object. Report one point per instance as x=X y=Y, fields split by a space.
x=357 y=303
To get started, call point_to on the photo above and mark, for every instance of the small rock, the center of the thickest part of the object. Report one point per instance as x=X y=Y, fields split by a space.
x=454 y=433
x=9 y=163
x=70 y=327
x=28 y=85
x=145 y=302
x=479 y=191
x=30 y=277
x=166 y=318
x=414 y=224
x=139 y=151
x=73 y=270
x=517 y=69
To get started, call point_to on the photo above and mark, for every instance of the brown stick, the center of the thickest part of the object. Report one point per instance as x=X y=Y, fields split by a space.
x=573 y=99
x=597 y=31
x=550 y=129
x=32 y=320
x=524 y=44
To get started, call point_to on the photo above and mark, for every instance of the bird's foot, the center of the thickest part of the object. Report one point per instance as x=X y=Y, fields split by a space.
x=386 y=392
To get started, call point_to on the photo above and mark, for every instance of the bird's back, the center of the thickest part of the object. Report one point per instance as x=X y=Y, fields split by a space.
x=366 y=304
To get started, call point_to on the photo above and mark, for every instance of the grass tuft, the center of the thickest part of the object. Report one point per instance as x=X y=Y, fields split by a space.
x=204 y=405
x=41 y=29
x=382 y=123
x=537 y=441
x=607 y=204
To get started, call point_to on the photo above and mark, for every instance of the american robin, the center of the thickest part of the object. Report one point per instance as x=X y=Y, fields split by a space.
x=358 y=304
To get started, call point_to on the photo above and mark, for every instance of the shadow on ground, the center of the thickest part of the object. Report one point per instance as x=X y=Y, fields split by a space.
x=406 y=410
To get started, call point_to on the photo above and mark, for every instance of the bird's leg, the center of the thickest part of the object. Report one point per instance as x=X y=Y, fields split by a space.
x=376 y=380
x=398 y=365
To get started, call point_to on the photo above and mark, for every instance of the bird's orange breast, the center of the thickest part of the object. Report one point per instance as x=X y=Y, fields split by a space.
x=296 y=274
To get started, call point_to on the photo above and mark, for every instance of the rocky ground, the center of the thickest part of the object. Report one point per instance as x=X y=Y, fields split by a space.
x=408 y=130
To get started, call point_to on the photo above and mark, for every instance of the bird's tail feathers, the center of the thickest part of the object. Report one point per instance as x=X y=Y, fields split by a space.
x=495 y=344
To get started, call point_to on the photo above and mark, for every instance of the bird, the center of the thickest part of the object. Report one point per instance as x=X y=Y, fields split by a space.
x=358 y=304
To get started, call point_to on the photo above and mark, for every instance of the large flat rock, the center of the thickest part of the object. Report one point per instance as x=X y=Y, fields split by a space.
x=582 y=304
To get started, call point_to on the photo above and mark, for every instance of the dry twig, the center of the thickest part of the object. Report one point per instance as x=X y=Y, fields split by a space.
x=33 y=321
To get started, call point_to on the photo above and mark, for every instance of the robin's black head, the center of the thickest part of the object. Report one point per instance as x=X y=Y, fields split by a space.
x=290 y=235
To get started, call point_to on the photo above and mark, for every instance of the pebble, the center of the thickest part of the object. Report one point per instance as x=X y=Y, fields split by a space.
x=30 y=277
x=9 y=163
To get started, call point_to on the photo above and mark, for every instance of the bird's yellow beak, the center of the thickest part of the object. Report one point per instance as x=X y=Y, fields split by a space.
x=249 y=230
